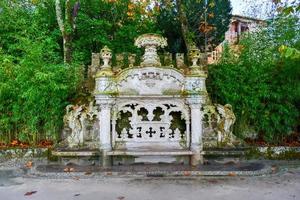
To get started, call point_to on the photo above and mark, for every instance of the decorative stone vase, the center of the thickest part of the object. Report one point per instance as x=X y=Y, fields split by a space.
x=106 y=56
x=195 y=55
x=150 y=42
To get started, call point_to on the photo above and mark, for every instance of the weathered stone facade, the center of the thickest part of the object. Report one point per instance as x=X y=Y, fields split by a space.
x=149 y=112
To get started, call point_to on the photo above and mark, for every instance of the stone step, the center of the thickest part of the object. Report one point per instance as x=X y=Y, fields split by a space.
x=224 y=152
x=150 y=153
x=75 y=153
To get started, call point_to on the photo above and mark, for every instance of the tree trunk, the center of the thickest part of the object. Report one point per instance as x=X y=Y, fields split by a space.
x=67 y=32
x=67 y=45
x=184 y=24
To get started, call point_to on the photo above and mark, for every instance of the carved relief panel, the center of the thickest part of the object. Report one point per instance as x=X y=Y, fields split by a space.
x=149 y=123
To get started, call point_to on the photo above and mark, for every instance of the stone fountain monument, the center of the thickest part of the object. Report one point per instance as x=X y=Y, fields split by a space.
x=147 y=113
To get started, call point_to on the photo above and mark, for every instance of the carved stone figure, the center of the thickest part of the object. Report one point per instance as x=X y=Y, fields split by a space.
x=225 y=120
x=73 y=120
x=76 y=119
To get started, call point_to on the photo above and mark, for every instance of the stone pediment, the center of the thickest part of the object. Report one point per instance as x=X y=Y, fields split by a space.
x=150 y=81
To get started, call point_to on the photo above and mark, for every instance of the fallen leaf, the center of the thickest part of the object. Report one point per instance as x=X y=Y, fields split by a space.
x=186 y=173
x=69 y=169
x=87 y=173
x=76 y=178
x=30 y=193
x=14 y=143
x=109 y=173
x=231 y=174
x=121 y=198
x=76 y=195
x=29 y=164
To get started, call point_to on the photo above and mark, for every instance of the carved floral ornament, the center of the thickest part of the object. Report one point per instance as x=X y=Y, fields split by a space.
x=151 y=40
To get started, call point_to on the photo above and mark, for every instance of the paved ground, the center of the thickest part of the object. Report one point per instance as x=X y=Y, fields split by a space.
x=284 y=185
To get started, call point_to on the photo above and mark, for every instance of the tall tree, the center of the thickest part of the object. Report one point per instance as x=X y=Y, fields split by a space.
x=67 y=25
x=189 y=16
x=184 y=23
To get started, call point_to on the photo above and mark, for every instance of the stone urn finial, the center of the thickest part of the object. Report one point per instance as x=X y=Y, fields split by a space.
x=150 y=42
x=106 y=56
x=194 y=55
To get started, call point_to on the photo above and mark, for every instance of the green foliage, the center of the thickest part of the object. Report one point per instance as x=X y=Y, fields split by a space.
x=261 y=84
x=115 y=24
x=34 y=86
x=218 y=19
x=33 y=95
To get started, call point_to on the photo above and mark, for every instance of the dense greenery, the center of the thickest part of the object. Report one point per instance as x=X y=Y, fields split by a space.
x=261 y=83
x=35 y=85
x=218 y=14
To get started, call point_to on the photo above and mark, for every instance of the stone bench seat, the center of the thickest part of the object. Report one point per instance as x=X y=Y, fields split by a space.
x=150 y=153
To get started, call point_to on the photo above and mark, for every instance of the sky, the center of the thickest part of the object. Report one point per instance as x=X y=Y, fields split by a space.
x=260 y=8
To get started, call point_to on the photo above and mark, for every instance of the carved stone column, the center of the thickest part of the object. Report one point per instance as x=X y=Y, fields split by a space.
x=196 y=131
x=196 y=91
x=105 y=130
x=104 y=90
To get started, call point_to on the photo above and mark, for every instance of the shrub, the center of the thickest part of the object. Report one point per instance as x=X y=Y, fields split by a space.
x=261 y=84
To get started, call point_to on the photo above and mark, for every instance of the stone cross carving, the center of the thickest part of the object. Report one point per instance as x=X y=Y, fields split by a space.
x=150 y=132
x=150 y=42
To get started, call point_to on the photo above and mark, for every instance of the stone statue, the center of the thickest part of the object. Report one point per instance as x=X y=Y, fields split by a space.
x=225 y=120
x=73 y=120
x=76 y=120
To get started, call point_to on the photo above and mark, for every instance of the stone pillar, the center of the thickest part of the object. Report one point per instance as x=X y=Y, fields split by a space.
x=105 y=130
x=196 y=134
